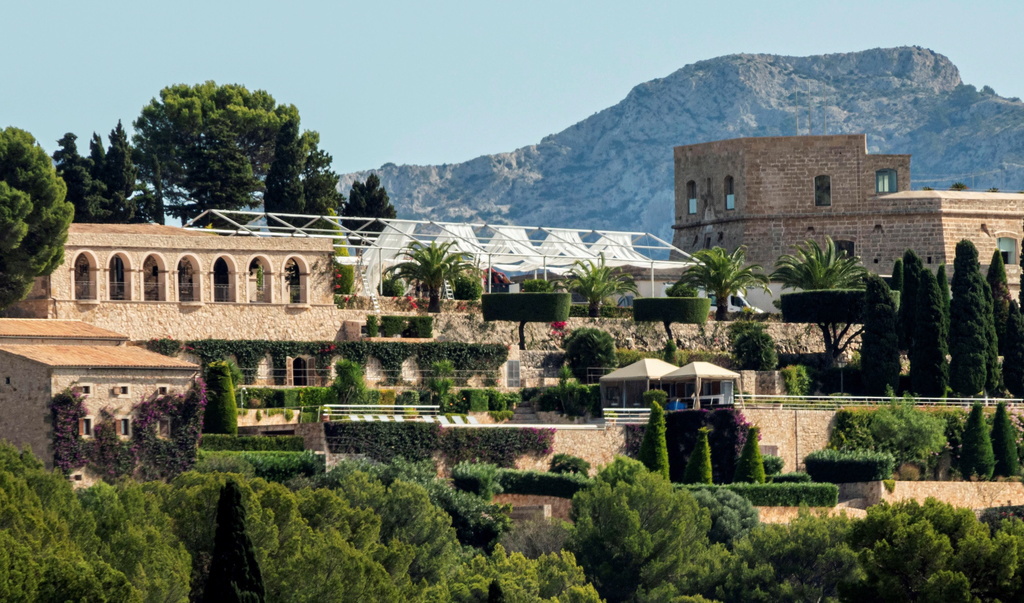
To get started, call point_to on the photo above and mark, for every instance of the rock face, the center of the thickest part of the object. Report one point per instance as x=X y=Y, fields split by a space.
x=614 y=169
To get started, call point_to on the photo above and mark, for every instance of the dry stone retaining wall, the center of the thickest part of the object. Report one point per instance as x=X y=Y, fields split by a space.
x=795 y=433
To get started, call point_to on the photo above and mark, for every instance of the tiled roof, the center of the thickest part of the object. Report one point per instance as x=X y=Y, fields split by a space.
x=142 y=229
x=87 y=356
x=57 y=329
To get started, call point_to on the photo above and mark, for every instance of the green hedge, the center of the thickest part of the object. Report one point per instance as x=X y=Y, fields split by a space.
x=780 y=495
x=419 y=326
x=840 y=467
x=266 y=397
x=797 y=477
x=274 y=466
x=528 y=307
x=607 y=311
x=689 y=310
x=392 y=325
x=562 y=485
x=475 y=400
x=213 y=441
x=825 y=306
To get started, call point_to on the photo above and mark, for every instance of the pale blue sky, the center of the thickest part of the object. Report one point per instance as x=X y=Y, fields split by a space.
x=442 y=82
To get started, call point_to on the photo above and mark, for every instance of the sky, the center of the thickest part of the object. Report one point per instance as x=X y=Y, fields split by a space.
x=443 y=81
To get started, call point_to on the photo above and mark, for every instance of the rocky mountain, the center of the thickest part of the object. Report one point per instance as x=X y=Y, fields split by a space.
x=614 y=169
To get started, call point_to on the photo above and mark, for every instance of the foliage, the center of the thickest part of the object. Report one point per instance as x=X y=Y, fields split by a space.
x=500 y=445
x=567 y=463
x=772 y=464
x=348 y=386
x=284 y=185
x=836 y=312
x=723 y=274
x=977 y=458
x=667 y=310
x=997 y=283
x=367 y=200
x=234 y=572
x=391 y=286
x=753 y=347
x=537 y=285
x=791 y=494
x=596 y=282
x=586 y=348
x=726 y=439
x=1004 y=444
x=526 y=307
x=34 y=216
x=896 y=279
x=536 y=537
x=880 y=352
x=607 y=311
x=392 y=325
x=164 y=345
x=681 y=289
x=837 y=467
x=698 y=466
x=271 y=465
x=653 y=449
x=561 y=485
x=467 y=287
x=750 y=467
x=797 y=380
x=1013 y=362
x=813 y=268
x=69 y=450
x=372 y=325
x=929 y=369
x=343 y=281
x=481 y=479
x=913 y=270
x=655 y=396
x=908 y=433
x=440 y=382
x=795 y=477
x=969 y=323
x=221 y=413
x=732 y=515
x=431 y=265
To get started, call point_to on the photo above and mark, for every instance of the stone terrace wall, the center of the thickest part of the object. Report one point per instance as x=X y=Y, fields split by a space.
x=796 y=433
x=970 y=495
x=597 y=447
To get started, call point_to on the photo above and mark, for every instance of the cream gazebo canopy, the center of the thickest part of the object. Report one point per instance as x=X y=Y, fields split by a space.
x=699 y=370
x=641 y=370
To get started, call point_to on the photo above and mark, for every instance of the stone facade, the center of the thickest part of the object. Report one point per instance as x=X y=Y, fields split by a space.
x=599 y=447
x=969 y=495
x=792 y=434
x=776 y=204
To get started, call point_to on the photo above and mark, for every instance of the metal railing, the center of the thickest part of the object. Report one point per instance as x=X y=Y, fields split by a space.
x=378 y=412
x=117 y=290
x=833 y=402
x=222 y=293
x=186 y=292
x=85 y=289
x=626 y=416
x=320 y=377
x=152 y=292
x=295 y=295
x=260 y=295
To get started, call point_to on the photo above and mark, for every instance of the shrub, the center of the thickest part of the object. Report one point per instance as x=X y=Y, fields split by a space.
x=698 y=467
x=526 y=307
x=781 y=495
x=839 y=467
x=496 y=401
x=227 y=442
x=536 y=285
x=478 y=478
x=567 y=463
x=274 y=466
x=586 y=348
x=750 y=467
x=754 y=349
x=727 y=436
x=561 y=485
x=345 y=279
x=908 y=433
x=796 y=477
x=467 y=287
x=409 y=397
x=372 y=326
x=976 y=456
x=732 y=515
x=419 y=326
x=392 y=287
x=797 y=379
x=392 y=325
x=845 y=306
x=772 y=464
x=655 y=396
x=680 y=289
x=474 y=400
x=221 y=413
x=499 y=445
x=1004 y=443
x=348 y=386
x=654 y=450
x=384 y=441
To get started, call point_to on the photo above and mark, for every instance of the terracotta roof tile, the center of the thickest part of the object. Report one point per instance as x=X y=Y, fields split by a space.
x=49 y=328
x=96 y=356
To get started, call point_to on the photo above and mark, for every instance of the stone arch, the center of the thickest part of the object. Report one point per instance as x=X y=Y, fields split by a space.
x=223 y=274
x=84 y=273
x=410 y=370
x=303 y=371
x=296 y=280
x=259 y=280
x=374 y=370
x=154 y=278
x=119 y=277
x=190 y=284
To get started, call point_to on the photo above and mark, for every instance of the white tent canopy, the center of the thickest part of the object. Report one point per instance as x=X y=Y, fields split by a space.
x=375 y=244
x=641 y=370
x=699 y=370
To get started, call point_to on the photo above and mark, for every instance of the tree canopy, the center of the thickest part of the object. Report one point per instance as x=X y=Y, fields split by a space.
x=431 y=265
x=813 y=268
x=723 y=274
x=367 y=200
x=596 y=282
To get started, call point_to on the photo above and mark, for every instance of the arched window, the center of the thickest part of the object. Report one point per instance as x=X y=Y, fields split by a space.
x=188 y=281
x=259 y=281
x=691 y=197
x=222 y=289
x=730 y=196
x=885 y=181
x=84 y=276
x=822 y=191
x=295 y=282
x=152 y=279
x=118 y=278
x=300 y=372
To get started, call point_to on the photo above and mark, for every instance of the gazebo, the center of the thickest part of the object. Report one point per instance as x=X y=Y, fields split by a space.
x=626 y=386
x=715 y=384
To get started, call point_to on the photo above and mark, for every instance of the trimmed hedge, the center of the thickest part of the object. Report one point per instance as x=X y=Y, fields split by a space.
x=214 y=441
x=562 y=485
x=780 y=495
x=839 y=467
x=526 y=307
x=824 y=306
x=391 y=325
x=796 y=477
x=772 y=464
x=690 y=310
x=607 y=311
x=275 y=466
x=419 y=326
x=266 y=397
x=475 y=400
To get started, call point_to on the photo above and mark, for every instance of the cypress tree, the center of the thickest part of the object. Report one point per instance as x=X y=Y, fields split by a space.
x=750 y=466
x=653 y=448
x=929 y=369
x=996 y=278
x=698 y=466
x=1004 y=443
x=284 y=185
x=880 y=354
x=993 y=372
x=896 y=281
x=968 y=325
x=976 y=456
x=943 y=281
x=912 y=267
x=1013 y=362
x=221 y=412
x=368 y=200
x=119 y=176
x=77 y=174
x=234 y=572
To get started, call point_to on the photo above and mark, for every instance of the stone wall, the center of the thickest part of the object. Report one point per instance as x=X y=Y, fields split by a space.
x=598 y=447
x=970 y=495
x=560 y=507
x=25 y=393
x=788 y=514
x=795 y=433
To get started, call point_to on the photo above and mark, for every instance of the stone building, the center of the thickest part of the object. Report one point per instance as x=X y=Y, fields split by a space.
x=772 y=193
x=148 y=280
x=41 y=358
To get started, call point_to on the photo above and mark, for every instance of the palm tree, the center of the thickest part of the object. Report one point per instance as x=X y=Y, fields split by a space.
x=723 y=274
x=813 y=268
x=431 y=265
x=595 y=281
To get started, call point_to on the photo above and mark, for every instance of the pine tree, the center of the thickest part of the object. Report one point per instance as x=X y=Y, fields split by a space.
x=968 y=325
x=993 y=372
x=368 y=200
x=698 y=467
x=653 y=449
x=976 y=456
x=880 y=354
x=912 y=267
x=284 y=183
x=319 y=181
x=221 y=412
x=929 y=369
x=996 y=278
x=495 y=594
x=235 y=574
x=750 y=466
x=1004 y=444
x=1013 y=362
x=76 y=172
x=896 y=281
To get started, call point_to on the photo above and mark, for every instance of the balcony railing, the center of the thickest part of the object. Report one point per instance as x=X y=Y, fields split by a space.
x=117 y=291
x=85 y=289
x=295 y=295
x=152 y=292
x=222 y=293
x=260 y=295
x=186 y=292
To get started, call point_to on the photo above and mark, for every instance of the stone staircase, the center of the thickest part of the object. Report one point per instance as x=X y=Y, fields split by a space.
x=524 y=413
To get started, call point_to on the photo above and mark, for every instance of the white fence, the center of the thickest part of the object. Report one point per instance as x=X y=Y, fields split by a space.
x=833 y=402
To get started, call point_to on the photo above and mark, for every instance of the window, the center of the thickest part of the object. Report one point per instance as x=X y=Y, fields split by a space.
x=122 y=390
x=125 y=427
x=7 y=380
x=691 y=197
x=152 y=287
x=730 y=196
x=163 y=428
x=823 y=191
x=885 y=181
x=85 y=389
x=85 y=283
x=118 y=287
x=188 y=281
x=85 y=427
x=163 y=390
x=222 y=285
x=1008 y=249
x=846 y=247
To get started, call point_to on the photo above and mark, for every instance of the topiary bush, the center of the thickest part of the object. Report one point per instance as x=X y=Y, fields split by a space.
x=221 y=412
x=478 y=478
x=977 y=458
x=467 y=287
x=797 y=380
x=726 y=438
x=372 y=325
x=567 y=463
x=754 y=348
x=750 y=467
x=536 y=285
x=475 y=400
x=772 y=464
x=392 y=325
x=653 y=449
x=667 y=310
x=781 y=495
x=561 y=485
x=526 y=307
x=586 y=348
x=839 y=467
x=655 y=396
x=698 y=467
x=796 y=477
x=419 y=326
